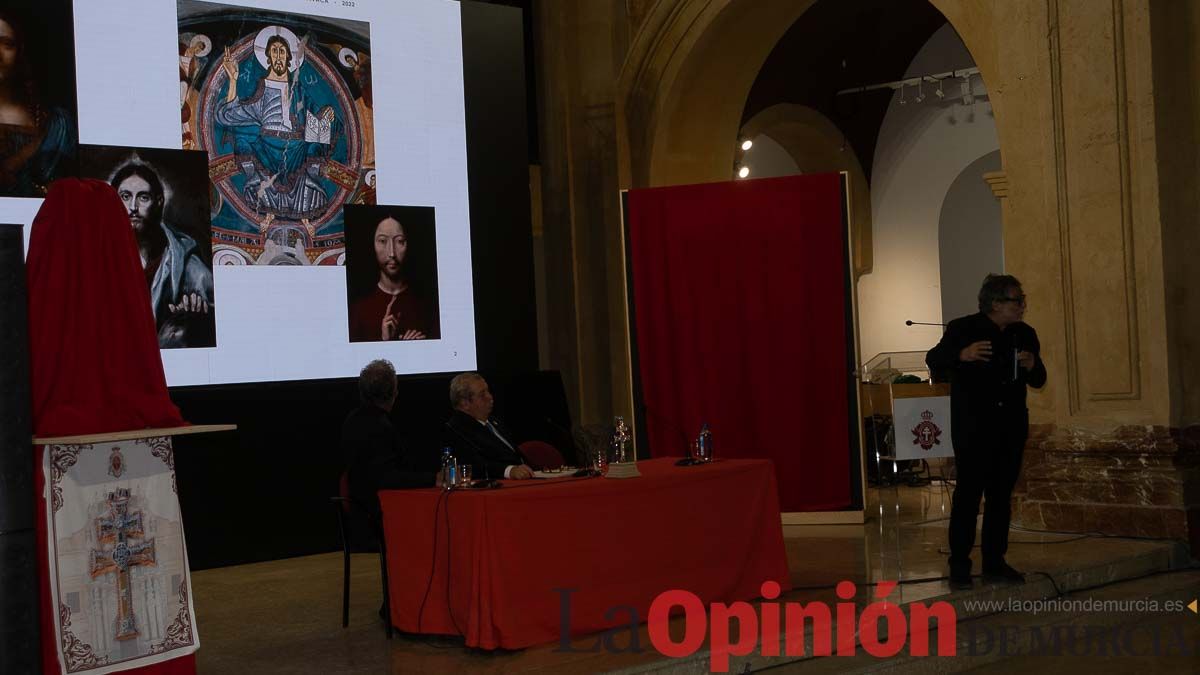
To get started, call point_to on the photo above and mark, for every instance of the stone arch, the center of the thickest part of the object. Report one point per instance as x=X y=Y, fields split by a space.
x=682 y=89
x=817 y=145
x=970 y=236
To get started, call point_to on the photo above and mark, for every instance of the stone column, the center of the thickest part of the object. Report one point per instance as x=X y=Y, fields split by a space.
x=581 y=46
x=1119 y=456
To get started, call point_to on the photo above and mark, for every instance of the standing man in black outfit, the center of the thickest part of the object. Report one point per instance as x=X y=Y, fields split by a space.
x=375 y=460
x=476 y=437
x=990 y=357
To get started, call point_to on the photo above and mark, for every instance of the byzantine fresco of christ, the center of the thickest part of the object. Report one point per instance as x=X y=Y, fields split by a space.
x=282 y=105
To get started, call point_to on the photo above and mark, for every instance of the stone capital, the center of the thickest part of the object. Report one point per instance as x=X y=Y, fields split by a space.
x=998 y=182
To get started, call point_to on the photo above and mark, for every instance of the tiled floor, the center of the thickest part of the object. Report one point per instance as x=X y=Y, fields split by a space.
x=284 y=616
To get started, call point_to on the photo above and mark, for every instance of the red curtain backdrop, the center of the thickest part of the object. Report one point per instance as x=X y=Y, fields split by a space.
x=739 y=291
x=93 y=349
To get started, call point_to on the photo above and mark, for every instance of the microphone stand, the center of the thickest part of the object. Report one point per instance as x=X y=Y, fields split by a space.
x=583 y=471
x=487 y=479
x=688 y=460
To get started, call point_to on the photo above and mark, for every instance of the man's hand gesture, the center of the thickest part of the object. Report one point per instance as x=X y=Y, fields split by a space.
x=190 y=303
x=391 y=324
x=231 y=69
x=1026 y=359
x=976 y=351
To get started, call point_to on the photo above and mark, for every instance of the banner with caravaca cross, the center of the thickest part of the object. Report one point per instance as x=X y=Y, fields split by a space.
x=118 y=566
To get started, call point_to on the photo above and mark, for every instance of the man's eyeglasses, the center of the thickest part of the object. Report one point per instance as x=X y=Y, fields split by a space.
x=1020 y=300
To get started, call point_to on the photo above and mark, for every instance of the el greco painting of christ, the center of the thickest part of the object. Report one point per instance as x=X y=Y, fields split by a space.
x=282 y=105
x=165 y=194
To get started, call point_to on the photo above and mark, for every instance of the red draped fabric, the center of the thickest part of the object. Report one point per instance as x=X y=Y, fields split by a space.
x=94 y=356
x=94 y=359
x=739 y=291
x=501 y=560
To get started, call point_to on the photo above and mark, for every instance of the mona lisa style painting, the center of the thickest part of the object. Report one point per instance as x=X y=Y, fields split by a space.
x=37 y=96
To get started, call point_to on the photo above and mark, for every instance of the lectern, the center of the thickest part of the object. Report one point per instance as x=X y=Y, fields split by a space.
x=905 y=421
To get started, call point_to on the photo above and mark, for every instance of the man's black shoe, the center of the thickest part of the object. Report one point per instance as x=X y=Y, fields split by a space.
x=961 y=581
x=960 y=576
x=1004 y=573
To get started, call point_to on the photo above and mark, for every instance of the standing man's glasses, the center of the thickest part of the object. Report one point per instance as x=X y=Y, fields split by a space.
x=1020 y=300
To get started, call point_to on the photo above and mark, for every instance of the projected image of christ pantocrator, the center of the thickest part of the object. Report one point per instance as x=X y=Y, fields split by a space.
x=282 y=105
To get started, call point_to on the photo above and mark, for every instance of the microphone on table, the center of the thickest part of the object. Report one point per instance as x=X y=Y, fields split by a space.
x=689 y=460
x=556 y=426
x=493 y=426
x=584 y=471
x=571 y=439
x=910 y=322
x=487 y=481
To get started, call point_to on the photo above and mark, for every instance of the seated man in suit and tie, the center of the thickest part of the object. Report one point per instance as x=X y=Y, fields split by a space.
x=475 y=436
x=375 y=459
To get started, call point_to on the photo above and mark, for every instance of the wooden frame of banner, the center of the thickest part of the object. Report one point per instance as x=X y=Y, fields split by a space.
x=851 y=516
x=114 y=436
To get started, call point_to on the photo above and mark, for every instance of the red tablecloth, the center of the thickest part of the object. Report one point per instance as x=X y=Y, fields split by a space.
x=713 y=530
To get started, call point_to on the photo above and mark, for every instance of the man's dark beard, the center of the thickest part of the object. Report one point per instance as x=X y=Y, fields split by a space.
x=279 y=68
x=396 y=278
x=150 y=237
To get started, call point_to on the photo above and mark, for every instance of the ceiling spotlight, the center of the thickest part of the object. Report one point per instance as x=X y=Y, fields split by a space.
x=920 y=91
x=747 y=144
x=939 y=93
x=968 y=96
x=743 y=172
x=902 y=101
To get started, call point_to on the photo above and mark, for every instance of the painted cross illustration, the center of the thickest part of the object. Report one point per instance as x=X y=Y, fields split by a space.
x=117 y=528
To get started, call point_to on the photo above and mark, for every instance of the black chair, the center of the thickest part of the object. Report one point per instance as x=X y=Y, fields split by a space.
x=348 y=512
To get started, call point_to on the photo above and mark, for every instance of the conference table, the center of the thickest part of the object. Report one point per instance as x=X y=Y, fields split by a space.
x=520 y=565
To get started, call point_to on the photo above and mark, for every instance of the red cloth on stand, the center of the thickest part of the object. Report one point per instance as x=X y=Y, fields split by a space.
x=741 y=309
x=94 y=359
x=713 y=530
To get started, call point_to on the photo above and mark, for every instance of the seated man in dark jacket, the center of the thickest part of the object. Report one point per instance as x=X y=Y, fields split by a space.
x=476 y=437
x=375 y=460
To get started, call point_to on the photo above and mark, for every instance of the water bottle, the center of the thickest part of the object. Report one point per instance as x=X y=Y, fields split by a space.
x=704 y=444
x=620 y=439
x=449 y=469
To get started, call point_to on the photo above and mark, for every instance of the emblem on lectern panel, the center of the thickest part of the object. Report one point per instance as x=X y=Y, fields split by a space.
x=116 y=463
x=926 y=434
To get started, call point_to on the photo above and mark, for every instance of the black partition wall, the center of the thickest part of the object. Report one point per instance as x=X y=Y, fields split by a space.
x=262 y=492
